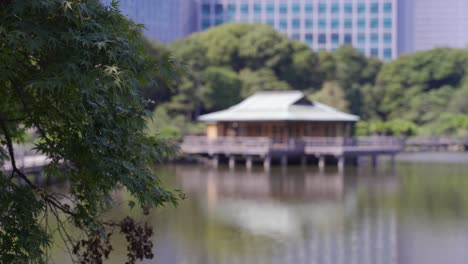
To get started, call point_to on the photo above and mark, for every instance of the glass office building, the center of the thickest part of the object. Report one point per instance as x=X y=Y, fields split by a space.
x=426 y=24
x=368 y=25
x=164 y=20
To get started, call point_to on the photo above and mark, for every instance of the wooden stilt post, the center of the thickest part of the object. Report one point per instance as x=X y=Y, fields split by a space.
x=304 y=160
x=215 y=161
x=374 y=161
x=267 y=163
x=248 y=162
x=341 y=163
x=232 y=162
x=321 y=163
x=284 y=160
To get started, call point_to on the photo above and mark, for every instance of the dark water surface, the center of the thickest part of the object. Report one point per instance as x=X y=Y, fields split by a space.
x=415 y=213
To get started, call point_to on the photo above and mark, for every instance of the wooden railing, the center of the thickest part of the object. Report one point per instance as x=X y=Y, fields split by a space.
x=307 y=145
x=226 y=145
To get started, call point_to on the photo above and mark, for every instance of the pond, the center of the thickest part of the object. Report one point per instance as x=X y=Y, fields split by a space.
x=416 y=212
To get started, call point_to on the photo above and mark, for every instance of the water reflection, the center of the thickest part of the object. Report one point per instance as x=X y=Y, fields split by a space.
x=416 y=214
x=294 y=216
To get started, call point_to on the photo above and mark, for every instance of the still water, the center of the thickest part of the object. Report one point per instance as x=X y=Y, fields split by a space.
x=416 y=212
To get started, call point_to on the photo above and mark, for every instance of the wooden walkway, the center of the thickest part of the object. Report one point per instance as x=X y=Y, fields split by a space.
x=302 y=146
x=250 y=148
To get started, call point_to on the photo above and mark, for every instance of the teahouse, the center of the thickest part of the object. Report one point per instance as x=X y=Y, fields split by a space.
x=279 y=115
x=284 y=126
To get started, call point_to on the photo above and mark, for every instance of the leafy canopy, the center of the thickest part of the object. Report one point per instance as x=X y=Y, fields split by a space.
x=73 y=70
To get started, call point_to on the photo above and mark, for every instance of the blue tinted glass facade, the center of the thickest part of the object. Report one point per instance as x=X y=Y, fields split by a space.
x=322 y=24
x=374 y=8
x=257 y=9
x=283 y=8
x=374 y=23
x=335 y=23
x=361 y=8
x=322 y=8
x=244 y=9
x=335 y=8
x=296 y=8
x=296 y=23
x=270 y=8
x=335 y=38
x=348 y=39
x=348 y=23
x=309 y=38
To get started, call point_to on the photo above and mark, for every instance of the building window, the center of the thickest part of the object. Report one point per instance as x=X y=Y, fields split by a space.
x=387 y=22
x=335 y=8
x=348 y=8
x=283 y=24
x=348 y=39
x=335 y=23
x=361 y=23
x=218 y=21
x=374 y=8
x=206 y=9
x=309 y=8
x=374 y=23
x=387 y=53
x=296 y=9
x=387 y=7
x=257 y=9
x=361 y=38
x=361 y=8
x=322 y=39
x=218 y=9
x=270 y=9
x=309 y=23
x=335 y=38
x=283 y=8
x=322 y=8
x=296 y=36
x=322 y=23
x=387 y=38
x=374 y=38
x=348 y=23
x=206 y=23
x=231 y=9
x=245 y=9
x=271 y=22
x=374 y=52
x=309 y=38
x=296 y=23
x=363 y=51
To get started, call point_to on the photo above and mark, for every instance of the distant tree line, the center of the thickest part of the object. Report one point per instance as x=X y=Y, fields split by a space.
x=424 y=93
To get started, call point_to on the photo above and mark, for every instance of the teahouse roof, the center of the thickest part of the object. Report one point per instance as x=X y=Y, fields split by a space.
x=279 y=106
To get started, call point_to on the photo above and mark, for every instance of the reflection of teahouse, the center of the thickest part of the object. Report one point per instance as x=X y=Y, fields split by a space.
x=279 y=115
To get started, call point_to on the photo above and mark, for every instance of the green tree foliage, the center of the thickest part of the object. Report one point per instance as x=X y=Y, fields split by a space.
x=416 y=88
x=73 y=70
x=410 y=76
x=333 y=95
x=394 y=127
x=261 y=80
x=220 y=89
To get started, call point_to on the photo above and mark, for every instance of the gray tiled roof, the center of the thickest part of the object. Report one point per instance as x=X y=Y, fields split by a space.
x=279 y=106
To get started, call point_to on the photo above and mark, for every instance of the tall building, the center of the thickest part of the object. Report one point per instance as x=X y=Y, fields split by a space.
x=368 y=25
x=426 y=24
x=381 y=28
x=164 y=20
